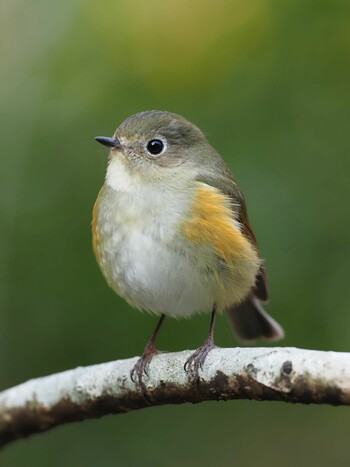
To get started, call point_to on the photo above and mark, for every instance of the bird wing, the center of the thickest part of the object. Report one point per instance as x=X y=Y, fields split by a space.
x=228 y=187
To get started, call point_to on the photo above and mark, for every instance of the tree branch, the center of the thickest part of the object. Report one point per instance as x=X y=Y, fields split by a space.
x=280 y=374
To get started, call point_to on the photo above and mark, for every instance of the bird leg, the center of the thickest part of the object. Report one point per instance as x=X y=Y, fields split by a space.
x=142 y=364
x=196 y=360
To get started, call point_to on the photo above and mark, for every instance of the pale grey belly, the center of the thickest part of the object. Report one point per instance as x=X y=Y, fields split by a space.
x=163 y=277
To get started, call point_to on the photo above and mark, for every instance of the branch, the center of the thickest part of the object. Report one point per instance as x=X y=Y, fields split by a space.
x=280 y=374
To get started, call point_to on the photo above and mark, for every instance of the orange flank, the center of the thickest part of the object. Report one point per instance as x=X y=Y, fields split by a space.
x=95 y=234
x=212 y=223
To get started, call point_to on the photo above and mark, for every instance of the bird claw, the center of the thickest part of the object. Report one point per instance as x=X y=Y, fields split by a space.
x=141 y=367
x=196 y=361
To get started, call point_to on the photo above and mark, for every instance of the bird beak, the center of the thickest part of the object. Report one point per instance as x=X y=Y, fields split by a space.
x=110 y=142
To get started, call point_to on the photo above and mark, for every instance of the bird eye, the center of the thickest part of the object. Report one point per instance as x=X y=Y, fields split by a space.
x=155 y=146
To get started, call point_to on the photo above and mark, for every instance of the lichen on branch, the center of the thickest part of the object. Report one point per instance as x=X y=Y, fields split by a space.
x=275 y=374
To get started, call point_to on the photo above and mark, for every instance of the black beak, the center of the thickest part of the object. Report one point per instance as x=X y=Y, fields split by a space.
x=110 y=142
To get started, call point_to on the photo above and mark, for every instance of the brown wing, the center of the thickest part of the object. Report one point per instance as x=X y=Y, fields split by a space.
x=228 y=186
x=249 y=320
x=261 y=285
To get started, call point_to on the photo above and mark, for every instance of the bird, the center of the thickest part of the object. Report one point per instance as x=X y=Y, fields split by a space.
x=171 y=233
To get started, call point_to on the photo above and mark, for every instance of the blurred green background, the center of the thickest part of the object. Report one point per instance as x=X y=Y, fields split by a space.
x=269 y=83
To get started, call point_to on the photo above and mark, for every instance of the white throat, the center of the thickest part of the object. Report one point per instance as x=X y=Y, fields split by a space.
x=118 y=177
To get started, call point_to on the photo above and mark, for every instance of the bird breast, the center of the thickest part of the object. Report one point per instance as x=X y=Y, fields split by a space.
x=172 y=250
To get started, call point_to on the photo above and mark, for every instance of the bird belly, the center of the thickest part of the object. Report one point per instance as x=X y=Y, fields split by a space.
x=158 y=277
x=143 y=257
x=158 y=260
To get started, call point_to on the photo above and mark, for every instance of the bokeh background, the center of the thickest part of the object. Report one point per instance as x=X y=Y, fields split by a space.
x=268 y=82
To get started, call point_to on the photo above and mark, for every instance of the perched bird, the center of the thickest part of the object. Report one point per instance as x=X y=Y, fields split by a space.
x=171 y=232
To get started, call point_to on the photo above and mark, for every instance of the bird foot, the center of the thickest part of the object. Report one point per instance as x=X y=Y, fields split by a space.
x=142 y=365
x=196 y=360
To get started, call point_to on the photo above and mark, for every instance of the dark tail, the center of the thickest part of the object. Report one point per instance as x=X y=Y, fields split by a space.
x=249 y=322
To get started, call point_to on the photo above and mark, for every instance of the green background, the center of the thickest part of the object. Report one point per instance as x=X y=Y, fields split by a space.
x=268 y=82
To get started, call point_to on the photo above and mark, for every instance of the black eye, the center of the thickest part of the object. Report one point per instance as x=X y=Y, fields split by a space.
x=155 y=146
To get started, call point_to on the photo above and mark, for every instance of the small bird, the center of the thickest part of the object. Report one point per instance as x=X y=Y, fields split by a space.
x=171 y=232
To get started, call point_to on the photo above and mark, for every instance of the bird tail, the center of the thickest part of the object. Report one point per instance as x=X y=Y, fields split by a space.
x=249 y=322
